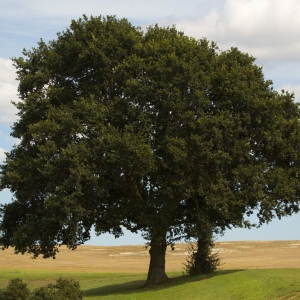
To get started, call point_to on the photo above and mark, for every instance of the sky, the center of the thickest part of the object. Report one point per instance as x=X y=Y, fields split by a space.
x=266 y=29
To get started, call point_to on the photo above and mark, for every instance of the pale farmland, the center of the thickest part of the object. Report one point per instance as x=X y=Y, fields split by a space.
x=249 y=270
x=109 y=259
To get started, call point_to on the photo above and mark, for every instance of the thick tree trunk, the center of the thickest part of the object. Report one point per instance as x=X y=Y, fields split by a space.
x=157 y=271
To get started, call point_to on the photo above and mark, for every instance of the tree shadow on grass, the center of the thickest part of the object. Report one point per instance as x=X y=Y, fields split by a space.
x=137 y=286
x=112 y=289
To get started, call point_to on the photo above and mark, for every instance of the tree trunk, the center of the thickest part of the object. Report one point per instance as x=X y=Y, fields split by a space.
x=157 y=272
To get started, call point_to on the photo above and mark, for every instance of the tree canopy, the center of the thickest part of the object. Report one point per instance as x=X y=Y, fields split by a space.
x=154 y=131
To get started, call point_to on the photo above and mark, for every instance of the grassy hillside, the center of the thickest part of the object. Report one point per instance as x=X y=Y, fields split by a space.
x=228 y=284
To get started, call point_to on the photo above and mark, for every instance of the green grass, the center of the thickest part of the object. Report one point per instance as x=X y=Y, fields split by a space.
x=230 y=284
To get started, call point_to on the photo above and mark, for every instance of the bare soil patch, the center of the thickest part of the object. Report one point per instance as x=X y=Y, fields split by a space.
x=234 y=255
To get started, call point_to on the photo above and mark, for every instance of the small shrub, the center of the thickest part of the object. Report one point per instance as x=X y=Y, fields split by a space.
x=64 y=289
x=16 y=290
x=44 y=293
x=69 y=289
x=201 y=260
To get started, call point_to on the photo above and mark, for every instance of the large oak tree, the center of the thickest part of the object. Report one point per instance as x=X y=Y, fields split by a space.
x=156 y=132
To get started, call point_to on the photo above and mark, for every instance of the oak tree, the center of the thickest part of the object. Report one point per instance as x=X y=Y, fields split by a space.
x=152 y=131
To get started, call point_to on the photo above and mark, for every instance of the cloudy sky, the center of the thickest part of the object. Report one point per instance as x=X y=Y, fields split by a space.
x=267 y=29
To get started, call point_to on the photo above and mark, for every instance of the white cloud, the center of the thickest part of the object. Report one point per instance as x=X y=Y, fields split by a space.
x=8 y=92
x=8 y=72
x=267 y=29
x=2 y=155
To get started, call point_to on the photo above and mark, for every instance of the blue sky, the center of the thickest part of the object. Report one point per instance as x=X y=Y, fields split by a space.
x=267 y=29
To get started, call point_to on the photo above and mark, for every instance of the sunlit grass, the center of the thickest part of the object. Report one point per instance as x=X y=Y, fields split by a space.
x=227 y=284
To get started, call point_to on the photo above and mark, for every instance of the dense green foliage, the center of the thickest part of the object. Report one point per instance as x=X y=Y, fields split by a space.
x=64 y=289
x=153 y=131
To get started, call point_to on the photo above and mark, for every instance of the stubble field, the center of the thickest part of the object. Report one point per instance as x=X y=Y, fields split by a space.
x=134 y=259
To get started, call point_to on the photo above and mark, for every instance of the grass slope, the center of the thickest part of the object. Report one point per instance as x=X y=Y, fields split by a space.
x=227 y=284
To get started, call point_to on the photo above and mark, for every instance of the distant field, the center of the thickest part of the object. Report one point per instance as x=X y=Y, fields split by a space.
x=134 y=259
x=119 y=272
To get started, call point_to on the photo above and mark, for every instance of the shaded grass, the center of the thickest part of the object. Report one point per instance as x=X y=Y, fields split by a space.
x=227 y=284
x=231 y=284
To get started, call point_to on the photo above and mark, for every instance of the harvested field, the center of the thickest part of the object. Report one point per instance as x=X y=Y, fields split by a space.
x=234 y=255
